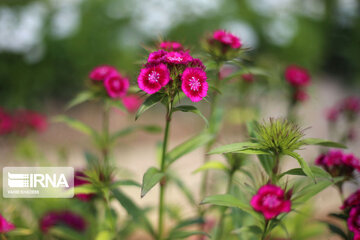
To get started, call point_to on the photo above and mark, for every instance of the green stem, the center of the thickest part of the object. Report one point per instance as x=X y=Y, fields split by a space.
x=3 y=237
x=162 y=169
x=220 y=228
x=263 y=237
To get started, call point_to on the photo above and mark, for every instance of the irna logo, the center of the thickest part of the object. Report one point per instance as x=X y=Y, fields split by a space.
x=17 y=180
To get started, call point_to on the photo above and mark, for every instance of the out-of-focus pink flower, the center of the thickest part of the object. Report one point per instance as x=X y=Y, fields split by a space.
x=152 y=78
x=116 y=85
x=352 y=134
x=226 y=71
x=132 y=103
x=157 y=57
x=26 y=121
x=197 y=63
x=248 y=77
x=357 y=236
x=332 y=114
x=300 y=95
x=297 y=76
x=178 y=57
x=99 y=73
x=194 y=84
x=227 y=39
x=207 y=226
x=5 y=226
x=6 y=122
x=171 y=46
x=78 y=181
x=337 y=163
x=351 y=104
x=271 y=201
x=353 y=221
x=67 y=218
x=352 y=200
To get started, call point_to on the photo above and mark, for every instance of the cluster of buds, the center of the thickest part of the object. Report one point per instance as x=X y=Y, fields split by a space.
x=170 y=71
x=222 y=45
x=299 y=79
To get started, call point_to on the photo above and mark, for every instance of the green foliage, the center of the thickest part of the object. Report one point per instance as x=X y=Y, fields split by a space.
x=151 y=101
x=151 y=177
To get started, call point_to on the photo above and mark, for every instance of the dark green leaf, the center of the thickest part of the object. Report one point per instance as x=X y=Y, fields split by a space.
x=150 y=179
x=148 y=103
x=190 y=108
x=335 y=229
x=234 y=147
x=321 y=142
x=304 y=165
x=318 y=172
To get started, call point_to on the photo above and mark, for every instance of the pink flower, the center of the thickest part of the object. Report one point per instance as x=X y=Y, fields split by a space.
x=357 y=236
x=197 y=63
x=132 y=103
x=67 y=218
x=26 y=121
x=248 y=77
x=152 y=78
x=353 y=221
x=78 y=181
x=270 y=200
x=157 y=57
x=226 y=71
x=116 y=85
x=351 y=104
x=227 y=39
x=332 y=114
x=297 y=76
x=101 y=72
x=352 y=200
x=194 y=84
x=5 y=226
x=6 y=122
x=300 y=95
x=171 y=46
x=178 y=58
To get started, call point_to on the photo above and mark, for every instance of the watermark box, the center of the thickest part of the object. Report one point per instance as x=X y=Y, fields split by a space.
x=38 y=182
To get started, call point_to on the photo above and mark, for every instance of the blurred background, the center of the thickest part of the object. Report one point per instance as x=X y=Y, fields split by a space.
x=47 y=47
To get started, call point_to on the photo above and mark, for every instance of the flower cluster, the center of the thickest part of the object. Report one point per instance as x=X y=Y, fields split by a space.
x=5 y=226
x=337 y=163
x=223 y=44
x=174 y=70
x=271 y=201
x=299 y=79
x=68 y=218
x=79 y=179
x=349 y=107
x=352 y=206
x=21 y=122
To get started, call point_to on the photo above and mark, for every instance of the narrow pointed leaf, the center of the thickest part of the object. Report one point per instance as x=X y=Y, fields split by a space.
x=318 y=172
x=126 y=131
x=150 y=179
x=251 y=229
x=321 y=142
x=148 y=103
x=212 y=165
x=77 y=125
x=234 y=147
x=190 y=108
x=304 y=165
x=80 y=98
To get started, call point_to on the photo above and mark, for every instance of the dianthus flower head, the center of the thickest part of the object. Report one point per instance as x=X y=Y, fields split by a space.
x=227 y=39
x=5 y=226
x=99 y=73
x=332 y=114
x=157 y=57
x=116 y=85
x=178 y=57
x=193 y=84
x=68 y=218
x=352 y=201
x=197 y=63
x=152 y=78
x=271 y=201
x=171 y=46
x=353 y=221
x=132 y=103
x=297 y=76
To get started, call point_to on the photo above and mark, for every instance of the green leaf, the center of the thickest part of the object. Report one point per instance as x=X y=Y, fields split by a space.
x=185 y=234
x=80 y=98
x=65 y=233
x=253 y=151
x=104 y=235
x=151 y=177
x=20 y=232
x=310 y=191
x=188 y=222
x=190 y=108
x=228 y=200
x=304 y=165
x=125 y=183
x=127 y=131
x=234 y=147
x=251 y=229
x=318 y=172
x=187 y=147
x=321 y=142
x=336 y=230
x=85 y=189
x=267 y=162
x=148 y=103
x=215 y=165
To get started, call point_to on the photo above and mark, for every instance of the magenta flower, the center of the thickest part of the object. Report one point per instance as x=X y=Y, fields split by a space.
x=171 y=46
x=116 y=86
x=352 y=200
x=152 y=78
x=67 y=218
x=132 y=103
x=26 y=121
x=78 y=181
x=270 y=200
x=353 y=221
x=227 y=39
x=5 y=226
x=300 y=95
x=248 y=77
x=6 y=122
x=357 y=236
x=332 y=114
x=197 y=63
x=178 y=58
x=297 y=76
x=157 y=57
x=99 y=73
x=351 y=105
x=194 y=84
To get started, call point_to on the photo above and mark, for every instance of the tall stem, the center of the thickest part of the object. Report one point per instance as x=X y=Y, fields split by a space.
x=219 y=231
x=162 y=169
x=106 y=138
x=263 y=237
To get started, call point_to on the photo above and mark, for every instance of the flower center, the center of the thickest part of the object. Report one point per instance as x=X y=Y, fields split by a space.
x=154 y=77
x=271 y=201
x=194 y=84
x=175 y=58
x=116 y=84
x=227 y=39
